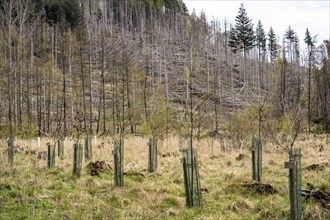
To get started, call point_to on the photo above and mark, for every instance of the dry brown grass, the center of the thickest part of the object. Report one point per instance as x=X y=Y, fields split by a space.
x=55 y=194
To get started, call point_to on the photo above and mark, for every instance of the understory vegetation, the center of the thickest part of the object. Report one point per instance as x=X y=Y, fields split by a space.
x=28 y=190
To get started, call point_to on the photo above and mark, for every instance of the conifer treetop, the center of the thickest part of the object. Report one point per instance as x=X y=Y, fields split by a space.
x=242 y=35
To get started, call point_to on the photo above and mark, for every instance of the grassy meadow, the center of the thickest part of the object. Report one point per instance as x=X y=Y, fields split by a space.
x=28 y=190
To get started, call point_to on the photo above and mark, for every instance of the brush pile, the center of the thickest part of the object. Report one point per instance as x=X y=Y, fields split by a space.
x=321 y=196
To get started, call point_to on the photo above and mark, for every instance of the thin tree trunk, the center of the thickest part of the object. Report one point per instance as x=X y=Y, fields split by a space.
x=90 y=87
x=129 y=108
x=103 y=81
x=64 y=86
x=166 y=75
x=44 y=105
x=39 y=100
x=83 y=82
x=309 y=93
x=259 y=71
x=244 y=77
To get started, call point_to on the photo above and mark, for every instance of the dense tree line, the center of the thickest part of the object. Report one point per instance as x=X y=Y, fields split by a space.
x=111 y=66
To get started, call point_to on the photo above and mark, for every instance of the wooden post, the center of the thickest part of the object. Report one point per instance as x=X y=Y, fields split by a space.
x=186 y=181
x=222 y=142
x=50 y=156
x=118 y=164
x=253 y=151
x=10 y=150
x=295 y=182
x=39 y=142
x=153 y=152
x=191 y=173
x=198 y=184
x=121 y=150
x=77 y=159
x=80 y=156
x=150 y=155
x=256 y=151
x=75 y=148
x=52 y=150
x=60 y=148
x=297 y=156
x=88 y=148
x=259 y=160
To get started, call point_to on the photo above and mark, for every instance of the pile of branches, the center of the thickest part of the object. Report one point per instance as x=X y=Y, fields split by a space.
x=321 y=196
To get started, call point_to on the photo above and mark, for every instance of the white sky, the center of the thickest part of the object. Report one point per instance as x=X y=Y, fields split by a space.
x=311 y=14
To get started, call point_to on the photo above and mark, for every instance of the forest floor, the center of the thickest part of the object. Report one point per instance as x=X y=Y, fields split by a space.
x=28 y=190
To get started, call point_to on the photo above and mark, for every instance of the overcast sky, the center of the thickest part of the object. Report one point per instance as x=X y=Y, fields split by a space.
x=312 y=14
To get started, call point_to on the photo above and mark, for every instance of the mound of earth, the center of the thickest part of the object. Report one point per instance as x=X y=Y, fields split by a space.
x=261 y=188
x=94 y=168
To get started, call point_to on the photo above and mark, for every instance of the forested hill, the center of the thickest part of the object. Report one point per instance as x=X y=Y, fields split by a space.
x=148 y=66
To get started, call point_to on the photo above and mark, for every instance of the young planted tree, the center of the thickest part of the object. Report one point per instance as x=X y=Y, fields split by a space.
x=241 y=36
x=190 y=164
x=289 y=125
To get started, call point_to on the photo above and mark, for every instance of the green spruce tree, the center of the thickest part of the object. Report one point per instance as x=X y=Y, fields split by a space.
x=233 y=41
x=242 y=35
x=292 y=38
x=260 y=39
x=65 y=10
x=272 y=45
